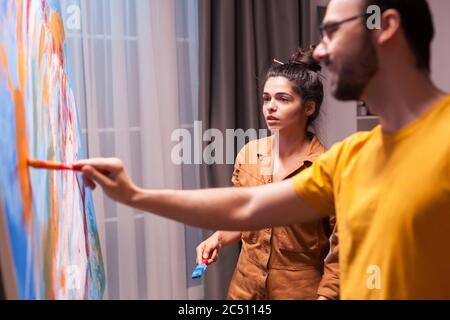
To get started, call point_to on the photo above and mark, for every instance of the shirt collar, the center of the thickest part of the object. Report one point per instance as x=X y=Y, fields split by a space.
x=315 y=149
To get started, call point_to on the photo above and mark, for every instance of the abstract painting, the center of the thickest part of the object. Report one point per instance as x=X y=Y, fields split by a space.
x=49 y=242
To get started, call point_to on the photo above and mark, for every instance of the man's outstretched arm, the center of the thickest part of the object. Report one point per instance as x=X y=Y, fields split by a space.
x=225 y=209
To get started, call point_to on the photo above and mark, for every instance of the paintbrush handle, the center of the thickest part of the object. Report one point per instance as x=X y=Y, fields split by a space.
x=50 y=165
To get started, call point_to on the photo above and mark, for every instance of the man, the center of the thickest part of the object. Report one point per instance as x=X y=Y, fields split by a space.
x=389 y=189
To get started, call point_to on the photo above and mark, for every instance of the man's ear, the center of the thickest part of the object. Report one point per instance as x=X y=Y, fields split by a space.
x=391 y=22
x=310 y=108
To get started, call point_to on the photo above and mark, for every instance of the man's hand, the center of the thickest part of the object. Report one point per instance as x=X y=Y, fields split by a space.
x=110 y=174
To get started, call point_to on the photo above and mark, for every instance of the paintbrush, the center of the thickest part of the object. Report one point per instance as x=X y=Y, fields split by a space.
x=51 y=165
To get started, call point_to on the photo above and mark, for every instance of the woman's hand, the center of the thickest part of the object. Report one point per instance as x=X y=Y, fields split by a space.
x=111 y=175
x=209 y=249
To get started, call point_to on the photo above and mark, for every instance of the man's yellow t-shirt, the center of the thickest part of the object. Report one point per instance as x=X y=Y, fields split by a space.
x=391 y=196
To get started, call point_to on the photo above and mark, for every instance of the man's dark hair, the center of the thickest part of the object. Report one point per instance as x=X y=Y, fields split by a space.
x=417 y=24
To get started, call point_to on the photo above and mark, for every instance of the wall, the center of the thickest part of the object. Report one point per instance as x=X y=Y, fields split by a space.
x=338 y=119
x=441 y=44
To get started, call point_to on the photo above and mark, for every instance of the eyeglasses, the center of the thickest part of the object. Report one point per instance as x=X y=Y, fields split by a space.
x=327 y=30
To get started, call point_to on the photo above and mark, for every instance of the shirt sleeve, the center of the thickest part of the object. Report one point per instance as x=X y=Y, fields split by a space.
x=329 y=286
x=315 y=185
x=237 y=168
x=447 y=186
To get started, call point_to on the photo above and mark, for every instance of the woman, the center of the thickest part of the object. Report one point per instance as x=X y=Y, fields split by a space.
x=284 y=262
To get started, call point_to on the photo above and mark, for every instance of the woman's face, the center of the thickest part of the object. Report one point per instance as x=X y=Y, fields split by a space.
x=283 y=107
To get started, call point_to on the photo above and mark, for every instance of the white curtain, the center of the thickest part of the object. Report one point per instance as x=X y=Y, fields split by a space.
x=134 y=69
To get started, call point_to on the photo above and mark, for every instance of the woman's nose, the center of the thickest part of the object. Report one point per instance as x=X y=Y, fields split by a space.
x=272 y=105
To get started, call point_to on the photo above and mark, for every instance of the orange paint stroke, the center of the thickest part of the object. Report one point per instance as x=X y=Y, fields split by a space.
x=21 y=63
x=62 y=281
x=21 y=140
x=45 y=101
x=22 y=67
x=22 y=157
x=4 y=65
x=45 y=95
x=41 y=47
x=21 y=125
x=19 y=19
x=56 y=27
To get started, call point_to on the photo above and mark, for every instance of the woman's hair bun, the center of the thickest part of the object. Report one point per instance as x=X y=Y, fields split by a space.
x=305 y=58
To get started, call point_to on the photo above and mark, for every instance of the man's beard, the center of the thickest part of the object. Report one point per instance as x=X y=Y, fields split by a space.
x=356 y=72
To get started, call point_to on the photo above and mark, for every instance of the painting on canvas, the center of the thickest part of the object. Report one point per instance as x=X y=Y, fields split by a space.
x=50 y=245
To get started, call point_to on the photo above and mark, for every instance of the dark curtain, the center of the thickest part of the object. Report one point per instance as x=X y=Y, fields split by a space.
x=238 y=41
x=2 y=293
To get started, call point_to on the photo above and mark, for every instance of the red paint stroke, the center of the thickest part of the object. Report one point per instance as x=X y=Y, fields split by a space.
x=82 y=189
x=28 y=15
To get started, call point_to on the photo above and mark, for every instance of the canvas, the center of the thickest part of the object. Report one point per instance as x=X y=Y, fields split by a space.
x=51 y=245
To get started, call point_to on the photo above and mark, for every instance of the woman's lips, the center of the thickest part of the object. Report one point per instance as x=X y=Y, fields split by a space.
x=272 y=121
